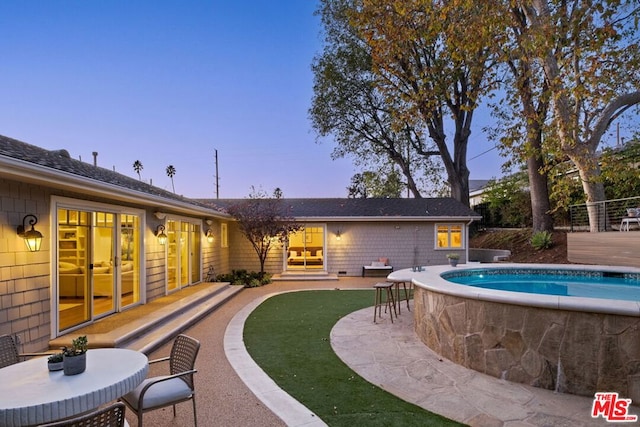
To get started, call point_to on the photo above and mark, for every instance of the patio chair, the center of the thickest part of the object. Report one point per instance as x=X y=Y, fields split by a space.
x=109 y=416
x=178 y=386
x=8 y=351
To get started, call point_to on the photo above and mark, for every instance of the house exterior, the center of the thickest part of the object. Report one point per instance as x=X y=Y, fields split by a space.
x=340 y=236
x=111 y=242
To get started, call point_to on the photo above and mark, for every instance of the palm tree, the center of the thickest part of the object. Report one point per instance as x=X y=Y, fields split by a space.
x=137 y=166
x=171 y=171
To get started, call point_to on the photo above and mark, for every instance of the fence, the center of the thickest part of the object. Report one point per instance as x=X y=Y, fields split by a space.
x=609 y=214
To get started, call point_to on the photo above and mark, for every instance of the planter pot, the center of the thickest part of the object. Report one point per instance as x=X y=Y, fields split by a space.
x=74 y=365
x=453 y=262
x=55 y=366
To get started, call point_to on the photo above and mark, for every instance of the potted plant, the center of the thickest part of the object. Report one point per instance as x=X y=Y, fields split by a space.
x=54 y=362
x=453 y=259
x=75 y=357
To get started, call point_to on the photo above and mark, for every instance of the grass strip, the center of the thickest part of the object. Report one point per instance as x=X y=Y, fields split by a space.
x=288 y=336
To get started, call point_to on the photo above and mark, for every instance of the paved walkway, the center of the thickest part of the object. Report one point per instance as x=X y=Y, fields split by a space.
x=233 y=391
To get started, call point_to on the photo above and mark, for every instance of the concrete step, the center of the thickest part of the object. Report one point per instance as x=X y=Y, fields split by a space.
x=302 y=276
x=151 y=329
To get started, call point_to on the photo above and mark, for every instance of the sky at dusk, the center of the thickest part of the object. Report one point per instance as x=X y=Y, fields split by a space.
x=170 y=82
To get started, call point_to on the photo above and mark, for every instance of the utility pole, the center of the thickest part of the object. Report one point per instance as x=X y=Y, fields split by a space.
x=217 y=178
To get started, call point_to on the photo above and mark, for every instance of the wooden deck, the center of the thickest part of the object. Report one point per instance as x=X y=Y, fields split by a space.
x=606 y=248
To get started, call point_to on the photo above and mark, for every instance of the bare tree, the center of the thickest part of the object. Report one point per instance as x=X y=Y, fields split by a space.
x=264 y=221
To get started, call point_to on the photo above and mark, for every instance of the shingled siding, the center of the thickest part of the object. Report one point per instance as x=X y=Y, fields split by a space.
x=243 y=256
x=24 y=276
x=405 y=244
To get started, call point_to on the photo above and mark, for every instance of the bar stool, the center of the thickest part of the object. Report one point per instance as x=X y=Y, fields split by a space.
x=407 y=291
x=389 y=303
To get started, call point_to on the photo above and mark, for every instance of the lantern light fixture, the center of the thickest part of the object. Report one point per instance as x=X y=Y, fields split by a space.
x=210 y=236
x=32 y=238
x=160 y=234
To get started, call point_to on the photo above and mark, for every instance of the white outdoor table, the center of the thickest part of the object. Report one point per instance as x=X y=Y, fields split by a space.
x=31 y=395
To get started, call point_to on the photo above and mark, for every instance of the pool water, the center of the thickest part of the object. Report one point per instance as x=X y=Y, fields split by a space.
x=620 y=287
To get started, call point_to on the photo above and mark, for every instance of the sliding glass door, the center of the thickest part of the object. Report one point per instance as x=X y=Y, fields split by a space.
x=305 y=250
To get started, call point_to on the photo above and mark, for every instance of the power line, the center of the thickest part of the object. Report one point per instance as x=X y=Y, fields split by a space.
x=483 y=153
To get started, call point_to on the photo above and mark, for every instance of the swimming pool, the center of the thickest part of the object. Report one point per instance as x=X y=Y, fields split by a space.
x=575 y=283
x=573 y=335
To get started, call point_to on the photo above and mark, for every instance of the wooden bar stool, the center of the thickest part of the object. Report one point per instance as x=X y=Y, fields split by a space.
x=407 y=291
x=389 y=302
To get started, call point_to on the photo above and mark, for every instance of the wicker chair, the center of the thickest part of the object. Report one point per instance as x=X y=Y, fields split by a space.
x=178 y=386
x=8 y=351
x=109 y=416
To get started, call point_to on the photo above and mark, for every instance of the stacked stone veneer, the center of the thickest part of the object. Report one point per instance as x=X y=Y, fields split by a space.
x=568 y=351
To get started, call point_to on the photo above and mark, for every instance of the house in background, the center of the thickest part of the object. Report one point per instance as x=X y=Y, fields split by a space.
x=111 y=242
x=340 y=236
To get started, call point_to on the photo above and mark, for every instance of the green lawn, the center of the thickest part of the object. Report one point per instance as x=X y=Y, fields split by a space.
x=288 y=336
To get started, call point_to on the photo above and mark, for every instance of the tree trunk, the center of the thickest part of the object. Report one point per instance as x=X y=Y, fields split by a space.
x=594 y=190
x=539 y=192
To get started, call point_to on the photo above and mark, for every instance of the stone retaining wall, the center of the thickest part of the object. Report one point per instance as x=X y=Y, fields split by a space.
x=568 y=351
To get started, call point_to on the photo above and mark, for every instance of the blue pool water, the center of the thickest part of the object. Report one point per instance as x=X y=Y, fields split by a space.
x=602 y=285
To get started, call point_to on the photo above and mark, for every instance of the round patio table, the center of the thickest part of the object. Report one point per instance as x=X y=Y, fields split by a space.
x=31 y=395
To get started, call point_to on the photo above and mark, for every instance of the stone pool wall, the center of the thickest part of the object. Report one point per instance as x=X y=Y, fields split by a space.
x=568 y=351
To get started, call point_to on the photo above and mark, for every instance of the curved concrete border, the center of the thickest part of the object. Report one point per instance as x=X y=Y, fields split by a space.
x=292 y=412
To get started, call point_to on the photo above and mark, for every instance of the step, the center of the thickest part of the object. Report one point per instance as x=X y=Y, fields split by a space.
x=304 y=276
x=150 y=331
x=167 y=330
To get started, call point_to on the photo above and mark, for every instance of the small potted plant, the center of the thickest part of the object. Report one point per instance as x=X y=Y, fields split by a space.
x=75 y=357
x=453 y=259
x=54 y=362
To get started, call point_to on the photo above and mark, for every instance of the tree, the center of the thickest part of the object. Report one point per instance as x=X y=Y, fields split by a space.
x=264 y=221
x=347 y=105
x=523 y=110
x=137 y=167
x=508 y=202
x=422 y=55
x=590 y=57
x=372 y=184
x=171 y=171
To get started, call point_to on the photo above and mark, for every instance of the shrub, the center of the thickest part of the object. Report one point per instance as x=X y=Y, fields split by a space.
x=244 y=278
x=541 y=240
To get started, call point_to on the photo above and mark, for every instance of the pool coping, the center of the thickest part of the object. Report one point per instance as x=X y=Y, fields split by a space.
x=430 y=278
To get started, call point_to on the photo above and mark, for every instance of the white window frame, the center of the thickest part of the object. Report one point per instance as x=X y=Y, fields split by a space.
x=449 y=226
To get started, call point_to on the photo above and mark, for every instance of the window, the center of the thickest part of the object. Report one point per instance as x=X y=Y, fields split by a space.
x=449 y=236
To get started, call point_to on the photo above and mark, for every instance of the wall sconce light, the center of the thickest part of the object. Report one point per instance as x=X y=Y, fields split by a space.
x=209 y=236
x=32 y=238
x=338 y=235
x=160 y=234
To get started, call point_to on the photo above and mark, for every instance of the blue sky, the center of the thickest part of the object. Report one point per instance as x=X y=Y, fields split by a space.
x=169 y=82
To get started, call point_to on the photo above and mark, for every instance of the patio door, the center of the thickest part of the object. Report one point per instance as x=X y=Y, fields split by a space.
x=183 y=253
x=98 y=265
x=306 y=249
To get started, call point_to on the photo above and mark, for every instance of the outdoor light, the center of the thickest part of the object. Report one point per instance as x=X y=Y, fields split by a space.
x=162 y=237
x=338 y=235
x=209 y=236
x=32 y=238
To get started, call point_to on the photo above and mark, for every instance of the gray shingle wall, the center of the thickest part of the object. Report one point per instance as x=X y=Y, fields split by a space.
x=24 y=276
x=405 y=244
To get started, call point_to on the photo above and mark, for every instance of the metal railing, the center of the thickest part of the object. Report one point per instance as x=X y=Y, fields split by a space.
x=609 y=214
